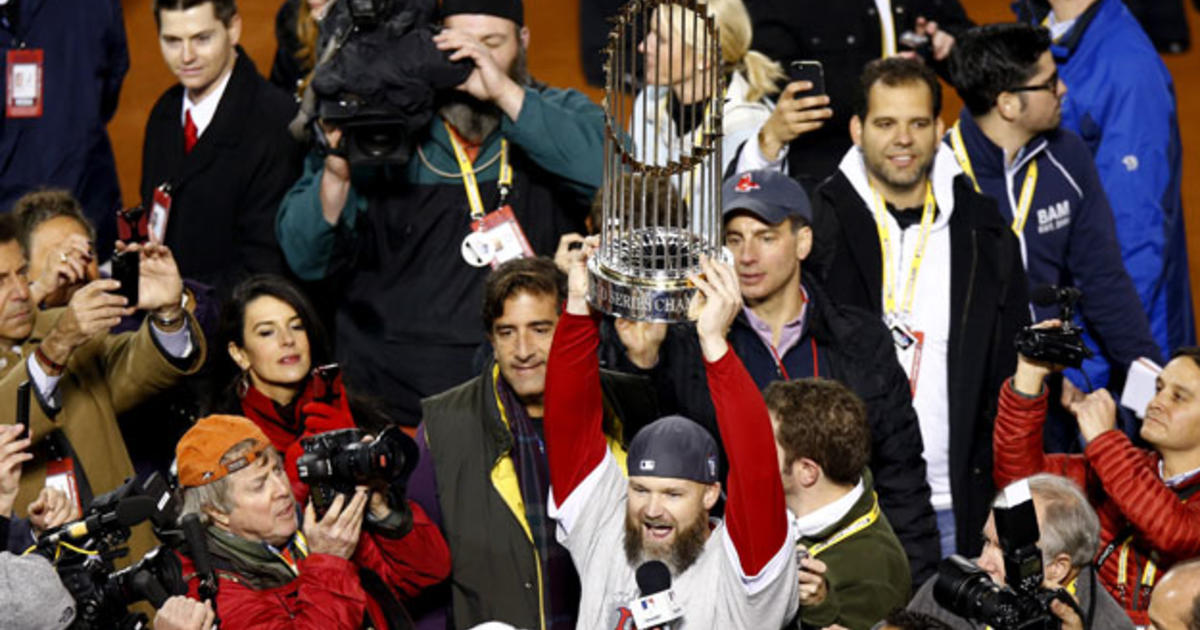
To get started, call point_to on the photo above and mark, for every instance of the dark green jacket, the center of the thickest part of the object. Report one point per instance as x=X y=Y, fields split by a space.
x=867 y=571
x=496 y=572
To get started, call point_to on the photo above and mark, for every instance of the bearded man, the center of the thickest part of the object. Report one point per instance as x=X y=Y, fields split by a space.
x=523 y=155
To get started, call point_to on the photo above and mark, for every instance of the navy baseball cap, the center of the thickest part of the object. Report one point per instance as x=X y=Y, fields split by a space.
x=676 y=448
x=766 y=194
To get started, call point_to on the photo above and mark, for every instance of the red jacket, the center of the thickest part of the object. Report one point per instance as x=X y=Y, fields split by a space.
x=328 y=594
x=1123 y=484
x=308 y=418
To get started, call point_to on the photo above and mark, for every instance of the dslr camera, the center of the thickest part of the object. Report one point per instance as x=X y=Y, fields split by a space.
x=335 y=462
x=1062 y=345
x=1024 y=604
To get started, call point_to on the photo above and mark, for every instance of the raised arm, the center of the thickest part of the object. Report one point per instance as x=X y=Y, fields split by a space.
x=755 y=511
x=1017 y=440
x=575 y=442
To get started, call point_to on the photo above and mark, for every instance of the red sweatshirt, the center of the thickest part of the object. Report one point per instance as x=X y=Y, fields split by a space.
x=1123 y=484
x=755 y=512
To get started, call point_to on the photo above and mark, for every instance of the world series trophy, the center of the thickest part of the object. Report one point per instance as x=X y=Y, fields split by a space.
x=661 y=196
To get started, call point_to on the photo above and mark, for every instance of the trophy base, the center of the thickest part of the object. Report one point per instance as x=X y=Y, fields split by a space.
x=661 y=301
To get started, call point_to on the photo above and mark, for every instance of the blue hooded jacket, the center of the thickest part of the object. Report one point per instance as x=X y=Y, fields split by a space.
x=1121 y=101
x=1068 y=240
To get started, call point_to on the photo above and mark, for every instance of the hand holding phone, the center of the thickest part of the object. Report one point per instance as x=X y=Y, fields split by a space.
x=802 y=108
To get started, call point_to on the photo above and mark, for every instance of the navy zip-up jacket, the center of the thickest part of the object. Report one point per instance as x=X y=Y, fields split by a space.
x=1069 y=240
x=1121 y=101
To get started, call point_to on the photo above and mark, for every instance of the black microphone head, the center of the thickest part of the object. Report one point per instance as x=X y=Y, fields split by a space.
x=653 y=577
x=133 y=510
x=1045 y=295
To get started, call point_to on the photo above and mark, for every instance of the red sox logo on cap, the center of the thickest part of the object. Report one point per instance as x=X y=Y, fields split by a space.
x=746 y=184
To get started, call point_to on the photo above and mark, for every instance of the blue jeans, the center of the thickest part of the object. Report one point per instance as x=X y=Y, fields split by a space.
x=945 y=523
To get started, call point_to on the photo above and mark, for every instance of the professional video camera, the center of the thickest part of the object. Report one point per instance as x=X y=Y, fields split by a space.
x=376 y=74
x=83 y=554
x=1062 y=345
x=335 y=462
x=1024 y=604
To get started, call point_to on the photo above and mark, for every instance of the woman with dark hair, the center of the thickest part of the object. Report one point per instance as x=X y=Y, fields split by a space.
x=284 y=382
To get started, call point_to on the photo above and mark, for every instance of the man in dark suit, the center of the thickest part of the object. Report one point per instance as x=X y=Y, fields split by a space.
x=217 y=156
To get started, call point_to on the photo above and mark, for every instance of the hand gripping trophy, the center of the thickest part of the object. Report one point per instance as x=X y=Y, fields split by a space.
x=661 y=196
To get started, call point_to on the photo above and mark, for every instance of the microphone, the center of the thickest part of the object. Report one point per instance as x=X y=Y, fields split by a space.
x=656 y=608
x=127 y=513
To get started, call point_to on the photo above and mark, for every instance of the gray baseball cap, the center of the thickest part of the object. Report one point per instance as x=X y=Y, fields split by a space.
x=767 y=194
x=676 y=448
x=31 y=594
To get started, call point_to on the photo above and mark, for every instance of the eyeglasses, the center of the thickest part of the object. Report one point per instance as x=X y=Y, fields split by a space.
x=1051 y=85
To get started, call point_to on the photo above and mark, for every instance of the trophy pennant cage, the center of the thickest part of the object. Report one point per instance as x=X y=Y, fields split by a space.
x=661 y=196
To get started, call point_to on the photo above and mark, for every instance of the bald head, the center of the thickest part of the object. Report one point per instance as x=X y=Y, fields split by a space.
x=1175 y=604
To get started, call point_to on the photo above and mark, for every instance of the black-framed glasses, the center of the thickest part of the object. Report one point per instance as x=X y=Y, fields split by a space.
x=1051 y=85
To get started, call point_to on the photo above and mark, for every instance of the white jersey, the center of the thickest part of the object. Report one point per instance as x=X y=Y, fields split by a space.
x=713 y=592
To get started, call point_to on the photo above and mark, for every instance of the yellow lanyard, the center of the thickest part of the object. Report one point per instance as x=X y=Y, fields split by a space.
x=885 y=246
x=1149 y=572
x=1024 y=202
x=468 y=174
x=286 y=555
x=862 y=523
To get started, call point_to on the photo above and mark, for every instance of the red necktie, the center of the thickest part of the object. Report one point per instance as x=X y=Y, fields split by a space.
x=189 y=132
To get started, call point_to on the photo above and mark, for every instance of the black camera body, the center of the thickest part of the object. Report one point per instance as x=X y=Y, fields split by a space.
x=1024 y=604
x=1059 y=346
x=376 y=76
x=102 y=594
x=335 y=462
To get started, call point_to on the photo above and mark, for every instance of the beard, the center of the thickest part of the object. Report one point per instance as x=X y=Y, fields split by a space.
x=472 y=118
x=884 y=172
x=681 y=554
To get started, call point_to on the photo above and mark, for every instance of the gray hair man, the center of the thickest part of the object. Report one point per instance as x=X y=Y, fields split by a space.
x=1070 y=537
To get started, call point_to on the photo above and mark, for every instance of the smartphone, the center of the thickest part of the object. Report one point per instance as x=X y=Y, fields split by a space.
x=23 y=406
x=326 y=376
x=125 y=270
x=811 y=71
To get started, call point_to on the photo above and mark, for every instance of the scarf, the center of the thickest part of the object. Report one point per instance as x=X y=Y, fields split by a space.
x=529 y=459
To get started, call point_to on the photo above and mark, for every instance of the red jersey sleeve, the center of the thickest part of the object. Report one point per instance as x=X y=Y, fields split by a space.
x=575 y=442
x=755 y=513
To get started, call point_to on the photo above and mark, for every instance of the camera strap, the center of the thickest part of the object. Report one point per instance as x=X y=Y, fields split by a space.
x=890 y=308
x=1024 y=201
x=857 y=526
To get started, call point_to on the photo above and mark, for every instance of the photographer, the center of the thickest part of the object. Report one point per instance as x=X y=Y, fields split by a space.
x=1142 y=496
x=274 y=573
x=82 y=376
x=1069 y=536
x=391 y=235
